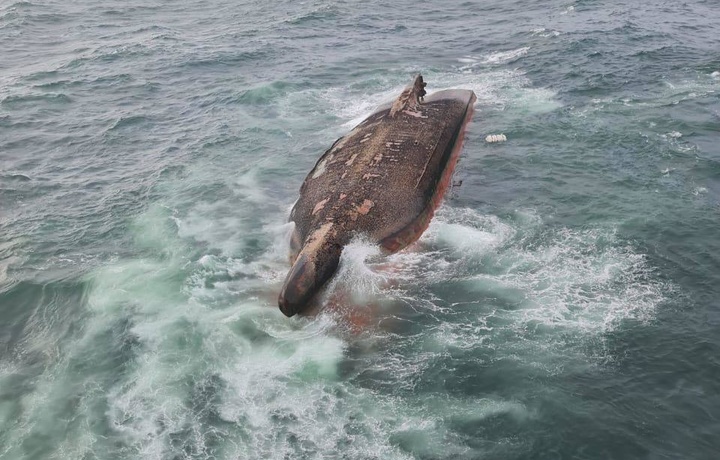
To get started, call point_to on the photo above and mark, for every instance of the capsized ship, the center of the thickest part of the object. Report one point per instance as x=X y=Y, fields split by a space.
x=384 y=179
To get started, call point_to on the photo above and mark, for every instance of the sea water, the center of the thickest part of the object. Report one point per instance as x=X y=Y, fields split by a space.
x=562 y=304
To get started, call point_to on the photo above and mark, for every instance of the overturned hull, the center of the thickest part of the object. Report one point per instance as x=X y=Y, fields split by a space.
x=384 y=180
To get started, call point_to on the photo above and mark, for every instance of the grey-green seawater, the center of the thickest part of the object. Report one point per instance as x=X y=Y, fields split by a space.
x=562 y=304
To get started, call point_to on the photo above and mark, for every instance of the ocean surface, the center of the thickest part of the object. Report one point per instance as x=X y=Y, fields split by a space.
x=563 y=304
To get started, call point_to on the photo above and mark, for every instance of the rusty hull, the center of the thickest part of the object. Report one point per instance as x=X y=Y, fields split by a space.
x=384 y=180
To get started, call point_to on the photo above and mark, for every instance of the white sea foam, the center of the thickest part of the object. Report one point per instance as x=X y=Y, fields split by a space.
x=681 y=90
x=502 y=89
x=206 y=341
x=354 y=273
x=574 y=283
x=468 y=233
x=505 y=90
x=8 y=406
x=505 y=57
x=273 y=378
x=545 y=33
x=580 y=282
x=471 y=63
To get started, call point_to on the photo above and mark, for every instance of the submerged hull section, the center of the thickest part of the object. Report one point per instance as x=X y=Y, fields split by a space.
x=384 y=180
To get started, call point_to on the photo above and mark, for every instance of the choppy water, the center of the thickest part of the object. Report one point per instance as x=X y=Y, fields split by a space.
x=563 y=303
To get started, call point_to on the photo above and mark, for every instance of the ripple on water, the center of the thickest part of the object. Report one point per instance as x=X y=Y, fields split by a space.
x=469 y=344
x=18 y=101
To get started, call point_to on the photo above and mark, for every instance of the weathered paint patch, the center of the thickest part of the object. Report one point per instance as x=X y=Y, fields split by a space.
x=365 y=207
x=319 y=206
x=316 y=239
x=351 y=160
x=413 y=113
x=320 y=168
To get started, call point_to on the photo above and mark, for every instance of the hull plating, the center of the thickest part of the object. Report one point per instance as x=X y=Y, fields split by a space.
x=383 y=180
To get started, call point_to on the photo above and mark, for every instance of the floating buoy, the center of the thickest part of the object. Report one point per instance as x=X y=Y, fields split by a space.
x=495 y=138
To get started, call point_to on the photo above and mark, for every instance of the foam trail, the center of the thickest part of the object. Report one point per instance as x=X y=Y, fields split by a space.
x=505 y=57
x=501 y=89
x=209 y=366
x=580 y=281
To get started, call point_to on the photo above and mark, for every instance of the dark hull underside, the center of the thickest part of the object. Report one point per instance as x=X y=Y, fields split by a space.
x=384 y=180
